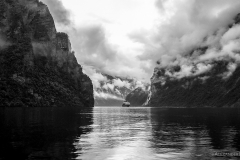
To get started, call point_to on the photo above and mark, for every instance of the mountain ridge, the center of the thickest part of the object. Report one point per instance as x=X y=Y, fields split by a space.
x=38 y=66
x=210 y=82
x=207 y=76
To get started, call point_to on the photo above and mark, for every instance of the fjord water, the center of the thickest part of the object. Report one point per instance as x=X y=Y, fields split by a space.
x=117 y=133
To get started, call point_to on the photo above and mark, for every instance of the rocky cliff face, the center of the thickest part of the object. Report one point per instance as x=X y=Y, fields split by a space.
x=137 y=97
x=38 y=67
x=213 y=82
x=208 y=89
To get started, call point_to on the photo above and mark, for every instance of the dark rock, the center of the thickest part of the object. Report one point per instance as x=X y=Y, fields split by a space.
x=37 y=66
x=208 y=89
x=137 y=97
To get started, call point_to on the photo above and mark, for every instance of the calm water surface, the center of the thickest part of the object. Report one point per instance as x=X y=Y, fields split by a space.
x=116 y=133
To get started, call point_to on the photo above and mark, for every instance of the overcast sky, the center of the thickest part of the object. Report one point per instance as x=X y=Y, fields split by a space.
x=128 y=37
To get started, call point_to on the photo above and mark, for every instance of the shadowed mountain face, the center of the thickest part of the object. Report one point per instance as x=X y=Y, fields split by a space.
x=137 y=97
x=198 y=91
x=211 y=82
x=37 y=65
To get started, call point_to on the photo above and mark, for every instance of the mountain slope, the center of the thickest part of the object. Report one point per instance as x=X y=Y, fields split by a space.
x=137 y=97
x=210 y=76
x=37 y=65
x=113 y=90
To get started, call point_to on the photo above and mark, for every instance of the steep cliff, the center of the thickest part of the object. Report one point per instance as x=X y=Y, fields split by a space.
x=38 y=67
x=207 y=89
x=209 y=77
x=137 y=97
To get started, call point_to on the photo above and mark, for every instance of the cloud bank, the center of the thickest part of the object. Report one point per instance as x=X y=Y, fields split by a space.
x=185 y=26
x=109 y=87
x=161 y=33
x=192 y=35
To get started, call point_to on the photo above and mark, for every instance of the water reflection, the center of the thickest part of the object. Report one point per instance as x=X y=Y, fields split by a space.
x=40 y=133
x=116 y=133
x=195 y=133
x=153 y=134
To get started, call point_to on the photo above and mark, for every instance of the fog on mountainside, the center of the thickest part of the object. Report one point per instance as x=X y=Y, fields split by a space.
x=191 y=43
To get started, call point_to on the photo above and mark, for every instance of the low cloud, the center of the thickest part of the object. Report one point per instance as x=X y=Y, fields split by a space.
x=228 y=51
x=231 y=68
x=231 y=34
x=3 y=43
x=108 y=86
x=189 y=70
x=97 y=78
x=119 y=83
x=114 y=87
x=106 y=96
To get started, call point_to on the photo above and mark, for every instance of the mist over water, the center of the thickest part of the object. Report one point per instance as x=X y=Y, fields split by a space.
x=116 y=133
